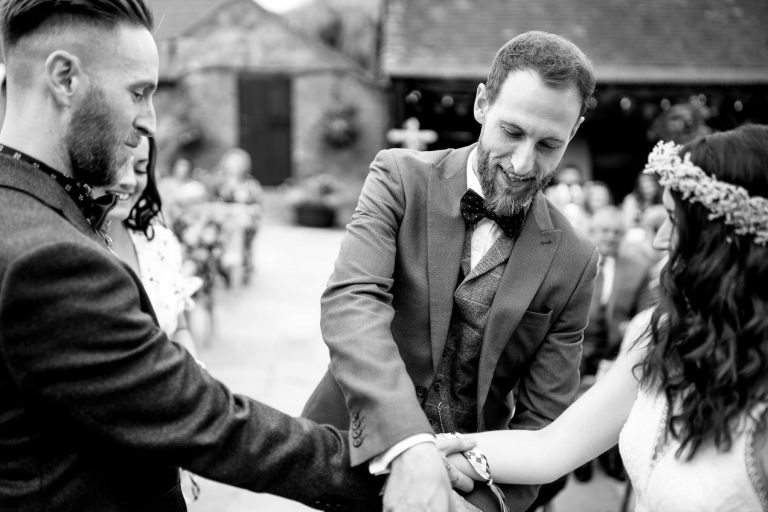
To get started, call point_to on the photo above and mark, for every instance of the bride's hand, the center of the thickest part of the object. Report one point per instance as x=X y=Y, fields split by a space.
x=451 y=447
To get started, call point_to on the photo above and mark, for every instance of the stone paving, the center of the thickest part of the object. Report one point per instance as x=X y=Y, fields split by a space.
x=268 y=346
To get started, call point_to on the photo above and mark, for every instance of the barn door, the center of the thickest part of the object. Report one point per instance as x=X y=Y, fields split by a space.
x=265 y=125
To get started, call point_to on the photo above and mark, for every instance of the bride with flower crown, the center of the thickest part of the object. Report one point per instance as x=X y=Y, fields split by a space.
x=687 y=402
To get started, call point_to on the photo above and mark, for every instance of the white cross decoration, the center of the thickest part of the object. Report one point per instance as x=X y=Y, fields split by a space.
x=410 y=136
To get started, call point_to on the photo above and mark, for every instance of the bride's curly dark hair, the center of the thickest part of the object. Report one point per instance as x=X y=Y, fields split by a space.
x=149 y=204
x=710 y=329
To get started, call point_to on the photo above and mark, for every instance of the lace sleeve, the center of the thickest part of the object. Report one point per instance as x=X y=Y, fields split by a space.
x=756 y=455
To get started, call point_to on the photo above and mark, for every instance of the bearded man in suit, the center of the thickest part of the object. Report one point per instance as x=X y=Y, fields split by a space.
x=98 y=409
x=460 y=295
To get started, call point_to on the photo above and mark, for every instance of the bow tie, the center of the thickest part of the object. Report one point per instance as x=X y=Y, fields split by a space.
x=473 y=209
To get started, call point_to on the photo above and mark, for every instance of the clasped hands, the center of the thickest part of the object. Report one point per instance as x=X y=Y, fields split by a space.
x=422 y=477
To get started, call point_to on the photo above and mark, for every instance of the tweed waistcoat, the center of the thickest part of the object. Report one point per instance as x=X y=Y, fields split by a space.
x=451 y=403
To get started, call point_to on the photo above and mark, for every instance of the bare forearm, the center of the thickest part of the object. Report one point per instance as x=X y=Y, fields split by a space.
x=586 y=429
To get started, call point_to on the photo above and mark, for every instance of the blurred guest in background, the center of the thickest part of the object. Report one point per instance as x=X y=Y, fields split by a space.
x=567 y=193
x=237 y=186
x=647 y=193
x=179 y=189
x=621 y=291
x=597 y=194
x=638 y=240
x=568 y=186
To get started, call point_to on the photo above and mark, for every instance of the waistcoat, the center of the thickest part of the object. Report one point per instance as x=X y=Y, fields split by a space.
x=451 y=402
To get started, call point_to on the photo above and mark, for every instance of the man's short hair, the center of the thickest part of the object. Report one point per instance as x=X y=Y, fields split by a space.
x=20 y=18
x=558 y=61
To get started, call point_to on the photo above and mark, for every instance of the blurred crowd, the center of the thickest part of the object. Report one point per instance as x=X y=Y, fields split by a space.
x=215 y=214
x=628 y=270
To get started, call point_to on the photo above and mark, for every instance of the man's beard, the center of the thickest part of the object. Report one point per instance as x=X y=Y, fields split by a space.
x=92 y=142
x=505 y=203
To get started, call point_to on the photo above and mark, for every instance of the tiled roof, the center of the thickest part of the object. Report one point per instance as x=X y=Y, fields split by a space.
x=174 y=17
x=662 y=41
x=241 y=34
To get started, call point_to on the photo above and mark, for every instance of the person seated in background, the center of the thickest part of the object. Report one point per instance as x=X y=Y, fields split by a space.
x=568 y=194
x=647 y=193
x=638 y=240
x=567 y=187
x=179 y=189
x=597 y=194
x=621 y=291
x=236 y=185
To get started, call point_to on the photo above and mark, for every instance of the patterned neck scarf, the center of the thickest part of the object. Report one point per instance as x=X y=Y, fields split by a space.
x=95 y=210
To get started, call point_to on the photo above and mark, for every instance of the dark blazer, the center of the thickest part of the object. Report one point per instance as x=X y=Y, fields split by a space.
x=630 y=294
x=387 y=309
x=98 y=409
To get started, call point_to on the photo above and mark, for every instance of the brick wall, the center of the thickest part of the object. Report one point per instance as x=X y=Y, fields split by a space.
x=204 y=66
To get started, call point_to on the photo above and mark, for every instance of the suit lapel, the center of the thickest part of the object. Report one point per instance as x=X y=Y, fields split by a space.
x=528 y=263
x=498 y=253
x=445 y=239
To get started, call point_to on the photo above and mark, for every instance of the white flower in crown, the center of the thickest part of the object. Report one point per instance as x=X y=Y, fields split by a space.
x=747 y=214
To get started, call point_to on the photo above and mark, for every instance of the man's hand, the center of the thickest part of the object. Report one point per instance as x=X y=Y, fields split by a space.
x=456 y=475
x=418 y=482
x=460 y=470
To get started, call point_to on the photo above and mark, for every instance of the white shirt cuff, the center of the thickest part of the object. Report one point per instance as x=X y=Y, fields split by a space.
x=379 y=465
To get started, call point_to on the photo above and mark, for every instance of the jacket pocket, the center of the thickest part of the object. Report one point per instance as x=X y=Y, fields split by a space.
x=535 y=318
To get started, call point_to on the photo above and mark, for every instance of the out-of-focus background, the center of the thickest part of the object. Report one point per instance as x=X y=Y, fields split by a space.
x=269 y=113
x=315 y=88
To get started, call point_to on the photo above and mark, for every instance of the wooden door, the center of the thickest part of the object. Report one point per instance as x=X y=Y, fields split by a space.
x=265 y=125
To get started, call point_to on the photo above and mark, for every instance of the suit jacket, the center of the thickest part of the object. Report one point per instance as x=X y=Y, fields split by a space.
x=630 y=294
x=388 y=304
x=98 y=409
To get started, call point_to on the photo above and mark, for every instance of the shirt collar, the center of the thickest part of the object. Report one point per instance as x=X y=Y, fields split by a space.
x=472 y=180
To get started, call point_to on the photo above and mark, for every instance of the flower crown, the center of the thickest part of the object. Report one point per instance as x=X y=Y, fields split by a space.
x=748 y=215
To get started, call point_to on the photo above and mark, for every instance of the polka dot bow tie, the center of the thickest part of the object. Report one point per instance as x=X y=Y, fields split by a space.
x=473 y=209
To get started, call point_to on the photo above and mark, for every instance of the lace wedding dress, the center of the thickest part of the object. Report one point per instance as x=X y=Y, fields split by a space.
x=711 y=482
